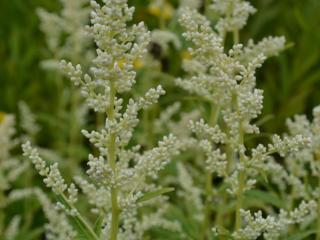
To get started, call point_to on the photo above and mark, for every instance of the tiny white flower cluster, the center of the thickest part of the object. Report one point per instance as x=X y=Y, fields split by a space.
x=10 y=166
x=118 y=48
x=178 y=128
x=166 y=115
x=221 y=79
x=51 y=174
x=155 y=159
x=226 y=80
x=300 y=172
x=58 y=227
x=13 y=228
x=65 y=33
x=120 y=177
x=234 y=14
x=285 y=145
x=28 y=120
x=203 y=130
x=190 y=192
x=273 y=227
x=269 y=46
x=11 y=171
x=164 y=38
x=7 y=131
x=229 y=85
x=301 y=125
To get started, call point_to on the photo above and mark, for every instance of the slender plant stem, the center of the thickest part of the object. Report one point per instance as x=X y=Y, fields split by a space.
x=241 y=178
x=2 y=215
x=162 y=20
x=112 y=164
x=80 y=218
x=318 y=219
x=207 y=206
x=206 y=6
x=208 y=187
x=235 y=36
x=99 y=121
x=241 y=182
x=241 y=174
x=231 y=155
x=230 y=151
x=74 y=129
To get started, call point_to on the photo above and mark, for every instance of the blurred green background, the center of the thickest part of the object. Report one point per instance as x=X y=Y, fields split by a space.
x=291 y=81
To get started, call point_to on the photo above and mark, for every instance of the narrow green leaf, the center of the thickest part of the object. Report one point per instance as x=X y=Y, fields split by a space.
x=81 y=226
x=189 y=225
x=33 y=234
x=301 y=235
x=150 y=195
x=98 y=224
x=265 y=119
x=288 y=45
x=266 y=197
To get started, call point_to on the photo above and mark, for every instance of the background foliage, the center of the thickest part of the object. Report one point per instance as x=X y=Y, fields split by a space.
x=293 y=90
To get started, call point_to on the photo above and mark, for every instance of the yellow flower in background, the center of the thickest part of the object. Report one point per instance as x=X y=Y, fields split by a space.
x=161 y=9
x=185 y=55
x=2 y=116
x=154 y=10
x=137 y=63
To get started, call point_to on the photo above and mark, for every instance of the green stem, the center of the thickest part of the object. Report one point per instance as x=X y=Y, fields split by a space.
x=318 y=219
x=214 y=115
x=241 y=180
x=74 y=130
x=86 y=226
x=207 y=206
x=162 y=21
x=112 y=164
x=230 y=158
x=2 y=207
x=230 y=151
x=235 y=36
x=115 y=214
x=206 y=7
x=208 y=187
x=99 y=122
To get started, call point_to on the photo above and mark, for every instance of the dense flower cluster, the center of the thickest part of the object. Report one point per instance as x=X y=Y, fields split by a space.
x=11 y=168
x=69 y=22
x=118 y=176
x=234 y=14
x=239 y=187
x=271 y=227
x=226 y=79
